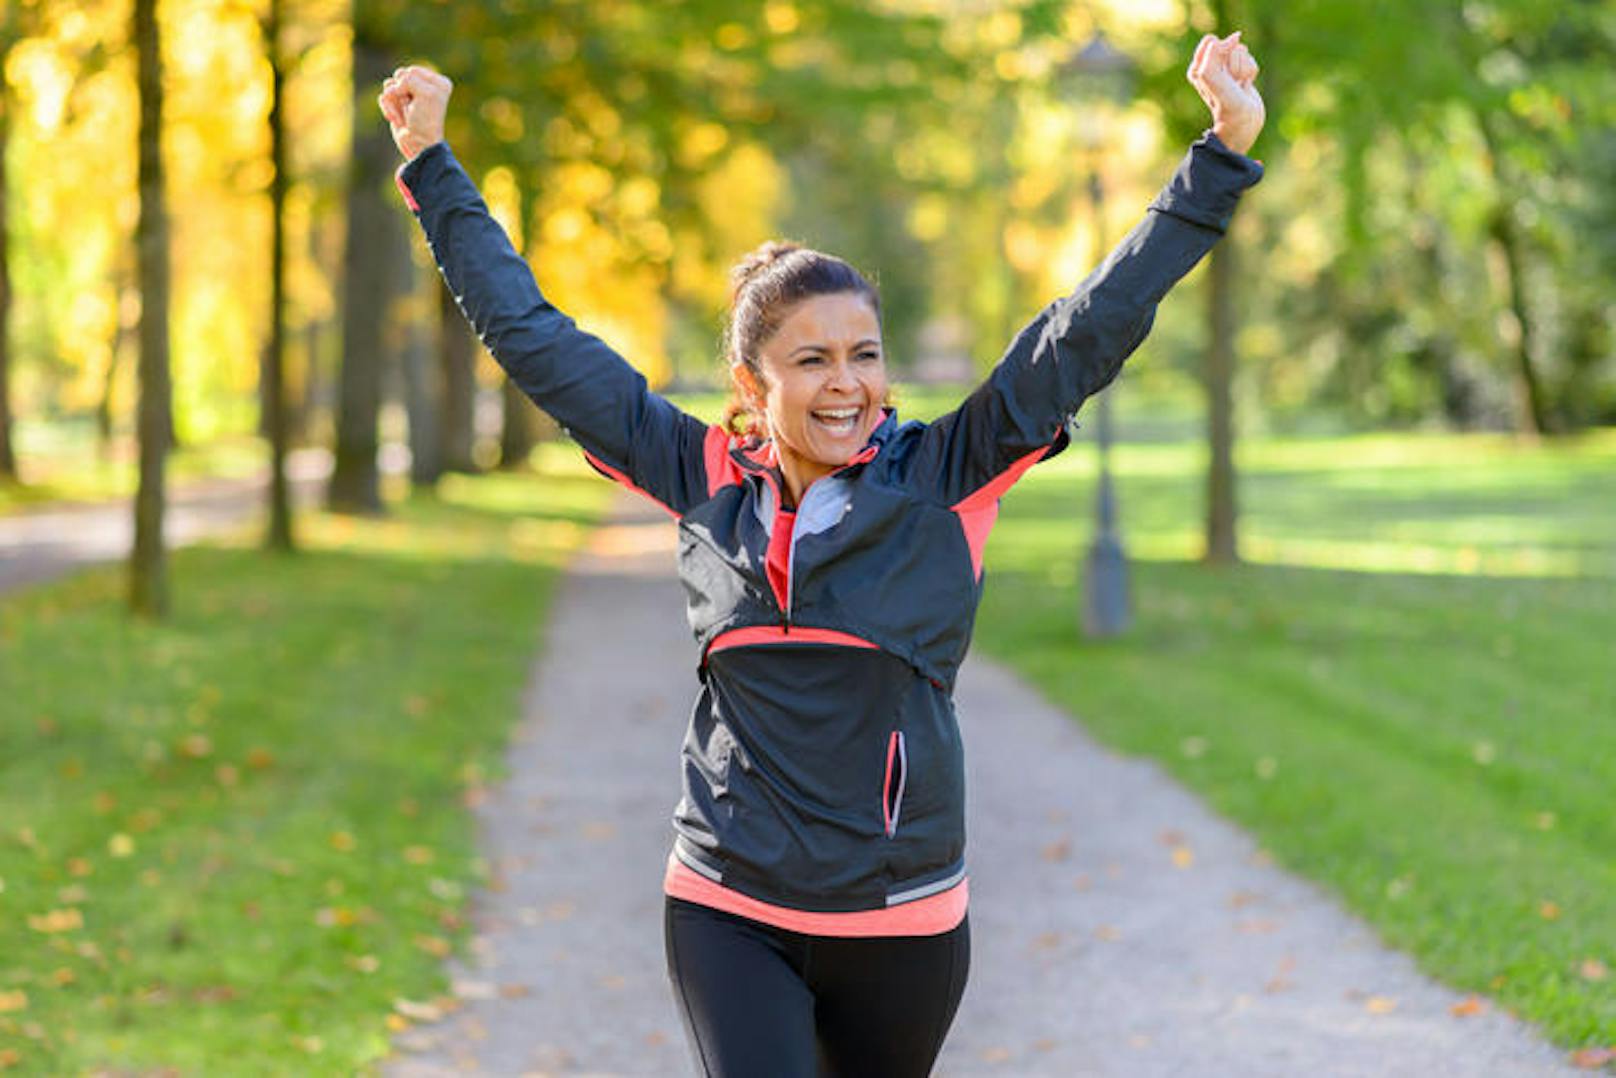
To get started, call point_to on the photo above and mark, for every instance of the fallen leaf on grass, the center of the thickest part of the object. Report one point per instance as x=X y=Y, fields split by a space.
x=16 y=1000
x=397 y=1023
x=1470 y=1005
x=1592 y=969
x=196 y=746
x=121 y=845
x=1549 y=911
x=335 y=917
x=418 y=855
x=65 y=920
x=1593 y=1058
x=436 y=946
x=343 y=841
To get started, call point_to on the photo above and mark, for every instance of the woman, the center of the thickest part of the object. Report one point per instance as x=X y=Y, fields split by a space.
x=832 y=559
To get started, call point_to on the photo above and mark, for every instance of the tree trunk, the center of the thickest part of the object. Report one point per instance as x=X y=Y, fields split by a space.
x=516 y=432
x=1532 y=414
x=8 y=457
x=1531 y=409
x=457 y=356
x=423 y=392
x=517 y=435
x=148 y=580
x=1221 y=545
x=355 y=483
x=274 y=387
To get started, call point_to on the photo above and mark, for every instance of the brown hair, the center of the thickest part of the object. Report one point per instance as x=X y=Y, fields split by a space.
x=764 y=286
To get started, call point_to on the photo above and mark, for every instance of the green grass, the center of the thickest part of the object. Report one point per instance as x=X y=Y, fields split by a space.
x=1408 y=693
x=229 y=843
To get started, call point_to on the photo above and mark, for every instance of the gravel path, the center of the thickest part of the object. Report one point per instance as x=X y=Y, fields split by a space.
x=1118 y=927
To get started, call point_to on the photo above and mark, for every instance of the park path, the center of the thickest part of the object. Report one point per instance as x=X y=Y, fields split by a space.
x=1118 y=927
x=41 y=543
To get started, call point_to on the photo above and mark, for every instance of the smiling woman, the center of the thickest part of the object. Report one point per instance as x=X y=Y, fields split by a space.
x=806 y=360
x=816 y=892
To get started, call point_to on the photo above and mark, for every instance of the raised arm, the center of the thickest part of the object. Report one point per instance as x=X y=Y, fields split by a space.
x=629 y=432
x=1075 y=346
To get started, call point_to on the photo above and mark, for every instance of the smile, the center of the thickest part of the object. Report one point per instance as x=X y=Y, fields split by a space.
x=839 y=420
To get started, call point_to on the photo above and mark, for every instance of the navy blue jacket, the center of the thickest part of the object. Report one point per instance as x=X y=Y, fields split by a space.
x=822 y=767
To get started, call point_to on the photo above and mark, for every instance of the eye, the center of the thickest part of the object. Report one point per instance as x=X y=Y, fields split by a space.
x=810 y=360
x=867 y=354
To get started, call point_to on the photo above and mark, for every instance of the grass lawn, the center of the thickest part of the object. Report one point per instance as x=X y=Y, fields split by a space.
x=1407 y=694
x=242 y=835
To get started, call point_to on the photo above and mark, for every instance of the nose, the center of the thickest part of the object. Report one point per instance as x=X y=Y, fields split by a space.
x=842 y=377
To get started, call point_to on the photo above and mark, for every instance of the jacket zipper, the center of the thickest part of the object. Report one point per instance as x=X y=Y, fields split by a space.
x=862 y=457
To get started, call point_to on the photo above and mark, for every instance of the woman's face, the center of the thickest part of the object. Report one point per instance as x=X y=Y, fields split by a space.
x=824 y=381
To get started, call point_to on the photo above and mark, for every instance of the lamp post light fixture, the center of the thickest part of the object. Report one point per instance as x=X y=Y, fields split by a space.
x=1104 y=75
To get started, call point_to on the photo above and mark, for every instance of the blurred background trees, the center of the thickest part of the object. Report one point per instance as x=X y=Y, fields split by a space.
x=1435 y=243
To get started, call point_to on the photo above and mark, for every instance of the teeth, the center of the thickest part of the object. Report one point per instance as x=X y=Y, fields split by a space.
x=838 y=413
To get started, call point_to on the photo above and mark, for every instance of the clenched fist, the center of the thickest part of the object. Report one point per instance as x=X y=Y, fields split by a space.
x=1224 y=73
x=415 y=101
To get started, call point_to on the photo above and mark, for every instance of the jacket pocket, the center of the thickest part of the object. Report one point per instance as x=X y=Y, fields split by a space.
x=897 y=774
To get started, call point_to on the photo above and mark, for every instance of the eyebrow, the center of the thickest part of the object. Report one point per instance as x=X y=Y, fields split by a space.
x=823 y=348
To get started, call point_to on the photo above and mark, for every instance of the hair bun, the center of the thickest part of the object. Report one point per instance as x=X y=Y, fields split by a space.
x=760 y=259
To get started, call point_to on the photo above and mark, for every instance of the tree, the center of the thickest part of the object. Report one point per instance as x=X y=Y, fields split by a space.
x=355 y=483
x=273 y=393
x=457 y=357
x=148 y=577
x=10 y=32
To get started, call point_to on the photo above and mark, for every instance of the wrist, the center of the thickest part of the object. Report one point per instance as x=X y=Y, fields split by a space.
x=1237 y=137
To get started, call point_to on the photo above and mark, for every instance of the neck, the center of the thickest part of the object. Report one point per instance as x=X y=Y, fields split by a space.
x=798 y=474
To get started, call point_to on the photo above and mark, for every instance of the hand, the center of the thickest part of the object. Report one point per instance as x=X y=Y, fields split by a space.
x=415 y=101
x=1224 y=74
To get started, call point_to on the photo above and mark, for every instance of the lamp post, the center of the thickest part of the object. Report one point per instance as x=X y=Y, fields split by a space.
x=1103 y=74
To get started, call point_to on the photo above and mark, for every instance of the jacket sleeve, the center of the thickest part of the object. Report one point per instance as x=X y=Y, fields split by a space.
x=1077 y=344
x=627 y=431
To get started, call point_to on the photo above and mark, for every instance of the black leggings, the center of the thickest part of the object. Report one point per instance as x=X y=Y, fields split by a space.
x=762 y=1002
